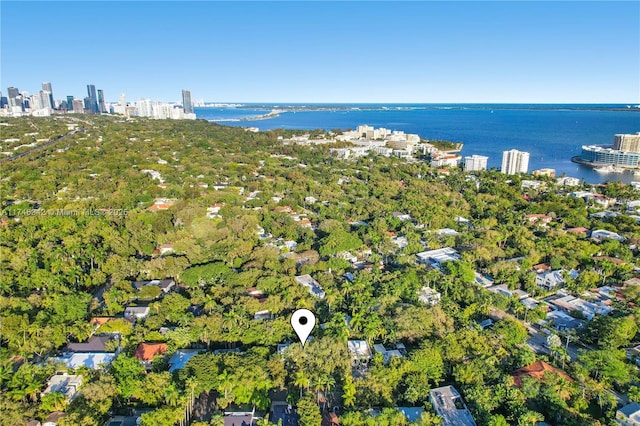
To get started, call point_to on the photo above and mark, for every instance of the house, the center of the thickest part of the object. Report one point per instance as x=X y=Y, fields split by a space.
x=180 y=358
x=92 y=360
x=429 y=296
x=164 y=285
x=401 y=241
x=123 y=421
x=241 y=418
x=539 y=219
x=562 y=322
x=263 y=315
x=587 y=309
x=165 y=248
x=447 y=232
x=53 y=418
x=411 y=413
x=435 y=258
x=582 y=231
x=449 y=405
x=136 y=312
x=349 y=257
x=552 y=279
x=602 y=234
x=360 y=351
x=94 y=344
x=65 y=384
x=387 y=354
x=402 y=216
x=540 y=268
x=145 y=352
x=537 y=370
x=314 y=286
x=283 y=413
x=629 y=415
x=632 y=281
x=483 y=280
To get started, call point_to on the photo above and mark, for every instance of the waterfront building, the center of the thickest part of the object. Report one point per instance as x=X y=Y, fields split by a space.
x=186 y=102
x=475 y=163
x=627 y=142
x=595 y=155
x=545 y=172
x=515 y=162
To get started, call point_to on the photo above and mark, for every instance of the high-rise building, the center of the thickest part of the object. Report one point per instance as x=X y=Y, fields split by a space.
x=46 y=87
x=15 y=99
x=70 y=100
x=514 y=162
x=92 y=106
x=475 y=163
x=627 y=142
x=186 y=102
x=103 y=108
x=77 y=106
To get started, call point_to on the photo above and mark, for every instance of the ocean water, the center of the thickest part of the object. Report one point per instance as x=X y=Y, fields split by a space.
x=552 y=134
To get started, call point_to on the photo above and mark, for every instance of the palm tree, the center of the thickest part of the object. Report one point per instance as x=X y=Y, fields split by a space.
x=301 y=381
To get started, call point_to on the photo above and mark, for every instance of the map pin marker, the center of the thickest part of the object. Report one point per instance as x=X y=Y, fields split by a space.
x=303 y=322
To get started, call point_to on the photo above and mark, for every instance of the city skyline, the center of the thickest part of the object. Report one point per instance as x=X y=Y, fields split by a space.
x=477 y=52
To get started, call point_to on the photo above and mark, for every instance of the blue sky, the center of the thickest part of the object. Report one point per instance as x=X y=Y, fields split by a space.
x=544 y=52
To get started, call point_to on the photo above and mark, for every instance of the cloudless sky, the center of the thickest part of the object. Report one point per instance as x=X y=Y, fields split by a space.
x=521 y=52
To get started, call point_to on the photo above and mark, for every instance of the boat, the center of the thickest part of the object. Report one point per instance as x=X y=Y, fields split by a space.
x=609 y=169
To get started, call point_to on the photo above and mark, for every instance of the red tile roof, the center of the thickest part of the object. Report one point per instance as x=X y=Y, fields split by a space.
x=537 y=370
x=146 y=351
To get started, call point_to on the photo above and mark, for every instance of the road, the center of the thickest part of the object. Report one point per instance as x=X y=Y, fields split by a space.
x=44 y=145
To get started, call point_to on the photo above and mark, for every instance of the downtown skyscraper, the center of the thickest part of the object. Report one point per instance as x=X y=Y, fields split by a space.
x=186 y=102
x=91 y=101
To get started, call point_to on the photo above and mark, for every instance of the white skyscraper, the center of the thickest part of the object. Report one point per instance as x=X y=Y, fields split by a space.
x=475 y=163
x=514 y=162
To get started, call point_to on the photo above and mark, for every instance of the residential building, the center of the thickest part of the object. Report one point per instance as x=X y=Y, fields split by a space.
x=187 y=105
x=627 y=142
x=240 y=418
x=429 y=296
x=449 y=405
x=65 y=384
x=314 y=286
x=164 y=285
x=515 y=162
x=595 y=155
x=145 y=352
x=387 y=354
x=629 y=415
x=435 y=258
x=136 y=312
x=537 y=370
x=92 y=360
x=587 y=309
x=545 y=172
x=551 y=279
x=360 y=351
x=475 y=163
x=602 y=234
x=94 y=344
